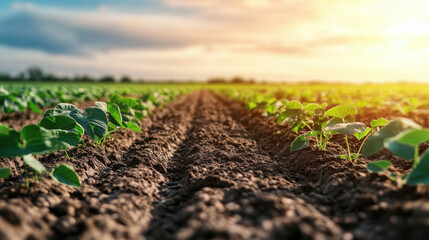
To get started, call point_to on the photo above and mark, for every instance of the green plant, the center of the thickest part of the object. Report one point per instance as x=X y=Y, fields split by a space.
x=327 y=124
x=402 y=137
x=32 y=140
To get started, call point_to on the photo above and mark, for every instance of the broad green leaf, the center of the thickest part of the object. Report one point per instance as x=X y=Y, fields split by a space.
x=334 y=121
x=379 y=122
x=311 y=107
x=127 y=113
x=49 y=112
x=294 y=104
x=420 y=174
x=405 y=151
x=39 y=140
x=34 y=163
x=271 y=109
x=140 y=114
x=281 y=117
x=98 y=121
x=65 y=174
x=375 y=142
x=341 y=111
x=33 y=107
x=4 y=172
x=10 y=142
x=412 y=136
x=134 y=127
x=64 y=109
x=252 y=105
x=347 y=128
x=378 y=166
x=4 y=129
x=361 y=135
x=131 y=102
x=115 y=114
x=81 y=119
x=291 y=112
x=349 y=118
x=101 y=105
x=61 y=122
x=299 y=143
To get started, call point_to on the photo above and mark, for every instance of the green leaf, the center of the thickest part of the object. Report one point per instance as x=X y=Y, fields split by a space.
x=378 y=166
x=101 y=105
x=49 y=112
x=271 y=109
x=343 y=157
x=405 y=151
x=375 y=142
x=420 y=174
x=98 y=122
x=64 y=109
x=347 y=128
x=299 y=143
x=379 y=122
x=341 y=111
x=134 y=127
x=81 y=119
x=39 y=140
x=115 y=114
x=311 y=107
x=252 y=105
x=334 y=121
x=361 y=135
x=291 y=113
x=65 y=174
x=61 y=122
x=294 y=104
x=4 y=172
x=412 y=136
x=34 y=163
x=10 y=142
x=33 y=107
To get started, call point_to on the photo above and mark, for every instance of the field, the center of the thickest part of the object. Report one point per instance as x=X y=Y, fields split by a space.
x=214 y=161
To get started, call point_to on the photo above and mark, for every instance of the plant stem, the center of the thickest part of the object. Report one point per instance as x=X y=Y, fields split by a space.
x=67 y=155
x=36 y=176
x=416 y=155
x=27 y=182
x=363 y=142
x=349 y=157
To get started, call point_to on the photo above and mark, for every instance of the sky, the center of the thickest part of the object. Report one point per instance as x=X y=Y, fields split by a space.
x=277 y=40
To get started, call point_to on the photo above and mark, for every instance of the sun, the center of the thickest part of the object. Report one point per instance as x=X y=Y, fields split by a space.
x=410 y=27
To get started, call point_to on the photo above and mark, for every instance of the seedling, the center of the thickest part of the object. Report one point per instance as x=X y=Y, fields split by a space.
x=33 y=140
x=402 y=137
x=332 y=122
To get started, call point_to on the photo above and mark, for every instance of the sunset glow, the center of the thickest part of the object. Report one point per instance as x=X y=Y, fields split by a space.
x=333 y=40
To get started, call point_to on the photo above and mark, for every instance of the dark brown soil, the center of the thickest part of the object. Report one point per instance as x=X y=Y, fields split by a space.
x=206 y=168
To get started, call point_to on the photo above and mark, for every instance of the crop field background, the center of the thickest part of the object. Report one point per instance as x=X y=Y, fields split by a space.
x=214 y=119
x=213 y=161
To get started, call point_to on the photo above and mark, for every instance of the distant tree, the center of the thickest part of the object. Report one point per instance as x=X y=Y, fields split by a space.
x=5 y=77
x=126 y=79
x=217 y=80
x=84 y=78
x=237 y=79
x=35 y=74
x=107 y=79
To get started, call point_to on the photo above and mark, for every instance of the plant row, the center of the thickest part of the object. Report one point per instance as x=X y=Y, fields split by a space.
x=63 y=127
x=316 y=124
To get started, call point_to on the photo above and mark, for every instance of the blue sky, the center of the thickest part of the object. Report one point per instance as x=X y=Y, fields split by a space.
x=355 y=40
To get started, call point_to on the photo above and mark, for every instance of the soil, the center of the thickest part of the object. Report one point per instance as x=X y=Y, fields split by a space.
x=207 y=168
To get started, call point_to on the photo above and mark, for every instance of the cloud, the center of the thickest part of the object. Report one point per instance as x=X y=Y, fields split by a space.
x=69 y=32
x=74 y=32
